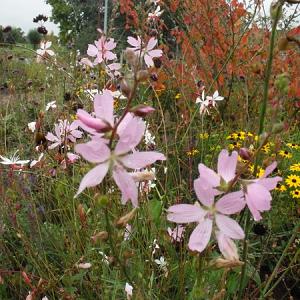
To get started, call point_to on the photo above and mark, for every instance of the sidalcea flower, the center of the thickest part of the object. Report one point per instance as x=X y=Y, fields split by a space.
x=145 y=51
x=209 y=184
x=64 y=131
x=257 y=192
x=211 y=215
x=102 y=50
x=118 y=160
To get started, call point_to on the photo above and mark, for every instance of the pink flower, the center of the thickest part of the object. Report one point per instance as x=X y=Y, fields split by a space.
x=122 y=157
x=207 y=217
x=102 y=50
x=257 y=194
x=147 y=51
x=64 y=131
x=209 y=183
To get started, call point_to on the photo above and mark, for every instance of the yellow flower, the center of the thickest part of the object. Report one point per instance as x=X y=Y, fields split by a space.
x=293 y=180
x=241 y=135
x=178 y=96
x=295 y=167
x=293 y=145
x=259 y=172
x=193 y=152
x=285 y=154
x=266 y=148
x=74 y=117
x=232 y=136
x=280 y=187
x=250 y=134
x=234 y=145
x=204 y=136
x=295 y=194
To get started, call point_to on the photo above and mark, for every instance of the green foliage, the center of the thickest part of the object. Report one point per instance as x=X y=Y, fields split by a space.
x=34 y=38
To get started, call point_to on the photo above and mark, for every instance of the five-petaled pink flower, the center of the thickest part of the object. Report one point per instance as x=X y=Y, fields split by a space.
x=145 y=51
x=257 y=192
x=121 y=158
x=64 y=131
x=102 y=50
x=211 y=215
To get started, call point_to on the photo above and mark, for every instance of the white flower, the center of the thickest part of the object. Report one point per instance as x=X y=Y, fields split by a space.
x=148 y=137
x=32 y=126
x=208 y=101
x=45 y=298
x=128 y=290
x=215 y=97
x=51 y=105
x=161 y=263
x=117 y=94
x=104 y=257
x=44 y=51
x=13 y=160
x=157 y=13
x=34 y=162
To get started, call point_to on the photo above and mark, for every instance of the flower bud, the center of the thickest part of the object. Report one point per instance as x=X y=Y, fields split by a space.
x=142 y=75
x=123 y=221
x=125 y=87
x=94 y=123
x=226 y=263
x=100 y=236
x=276 y=9
x=131 y=57
x=245 y=154
x=142 y=176
x=283 y=44
x=82 y=214
x=142 y=110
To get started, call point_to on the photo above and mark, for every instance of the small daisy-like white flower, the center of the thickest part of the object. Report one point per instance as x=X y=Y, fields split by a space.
x=51 y=105
x=32 y=126
x=13 y=160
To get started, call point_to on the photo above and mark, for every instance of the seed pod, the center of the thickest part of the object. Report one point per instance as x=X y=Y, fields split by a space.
x=126 y=218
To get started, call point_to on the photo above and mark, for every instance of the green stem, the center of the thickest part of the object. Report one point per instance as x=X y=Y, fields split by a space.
x=260 y=130
x=274 y=273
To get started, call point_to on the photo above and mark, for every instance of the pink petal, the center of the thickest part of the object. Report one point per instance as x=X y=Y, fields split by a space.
x=126 y=185
x=86 y=62
x=148 y=60
x=133 y=42
x=151 y=44
x=95 y=151
x=104 y=106
x=138 y=160
x=227 y=246
x=210 y=176
x=185 y=213
x=130 y=136
x=258 y=199
x=205 y=193
x=155 y=53
x=51 y=137
x=109 y=55
x=90 y=121
x=229 y=227
x=231 y=203
x=110 y=44
x=269 y=183
x=269 y=169
x=92 y=50
x=201 y=236
x=227 y=164
x=93 y=177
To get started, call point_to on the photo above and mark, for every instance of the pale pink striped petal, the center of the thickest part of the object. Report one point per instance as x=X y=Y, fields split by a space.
x=227 y=246
x=205 y=193
x=93 y=177
x=148 y=60
x=210 y=176
x=269 y=169
x=269 y=183
x=126 y=185
x=185 y=213
x=151 y=44
x=92 y=50
x=231 y=203
x=104 y=106
x=201 y=236
x=138 y=160
x=229 y=227
x=227 y=164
